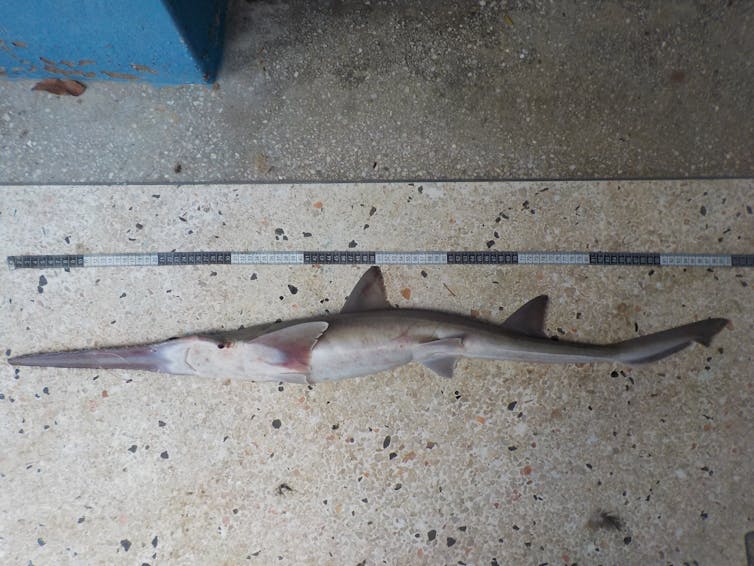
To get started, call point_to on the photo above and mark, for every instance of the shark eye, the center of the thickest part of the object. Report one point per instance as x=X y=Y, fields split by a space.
x=221 y=346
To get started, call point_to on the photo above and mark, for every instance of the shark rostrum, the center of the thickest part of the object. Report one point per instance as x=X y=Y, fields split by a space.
x=368 y=336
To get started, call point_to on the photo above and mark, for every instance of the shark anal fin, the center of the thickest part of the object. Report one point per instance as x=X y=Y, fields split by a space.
x=530 y=318
x=293 y=345
x=368 y=294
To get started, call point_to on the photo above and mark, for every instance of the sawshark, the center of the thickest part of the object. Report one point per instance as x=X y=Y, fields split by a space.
x=369 y=336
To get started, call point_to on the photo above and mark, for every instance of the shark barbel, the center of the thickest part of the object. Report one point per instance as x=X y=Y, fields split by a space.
x=368 y=336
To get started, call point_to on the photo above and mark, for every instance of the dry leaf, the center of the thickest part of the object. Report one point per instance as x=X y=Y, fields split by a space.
x=60 y=87
x=262 y=163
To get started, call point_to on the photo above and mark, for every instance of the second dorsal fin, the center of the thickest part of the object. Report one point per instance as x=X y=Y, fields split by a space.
x=530 y=318
x=368 y=294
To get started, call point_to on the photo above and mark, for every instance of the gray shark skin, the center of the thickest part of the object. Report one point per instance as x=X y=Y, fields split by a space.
x=368 y=336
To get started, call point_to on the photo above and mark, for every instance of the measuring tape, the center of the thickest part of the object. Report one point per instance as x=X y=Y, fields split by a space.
x=381 y=258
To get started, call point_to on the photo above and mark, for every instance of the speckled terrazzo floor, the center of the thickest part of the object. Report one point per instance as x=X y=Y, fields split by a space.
x=505 y=464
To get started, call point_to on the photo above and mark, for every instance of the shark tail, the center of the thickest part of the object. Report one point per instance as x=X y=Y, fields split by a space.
x=658 y=345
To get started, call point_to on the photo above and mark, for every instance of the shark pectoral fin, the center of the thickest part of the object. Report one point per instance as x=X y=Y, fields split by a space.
x=368 y=294
x=440 y=355
x=530 y=318
x=441 y=366
x=293 y=346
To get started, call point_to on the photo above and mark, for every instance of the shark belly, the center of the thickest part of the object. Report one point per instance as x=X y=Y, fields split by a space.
x=352 y=349
x=332 y=361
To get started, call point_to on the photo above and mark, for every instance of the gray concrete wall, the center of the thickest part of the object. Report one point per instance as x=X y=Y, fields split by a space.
x=428 y=89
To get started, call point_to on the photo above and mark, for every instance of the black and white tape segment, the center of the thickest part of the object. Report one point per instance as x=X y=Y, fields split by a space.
x=382 y=258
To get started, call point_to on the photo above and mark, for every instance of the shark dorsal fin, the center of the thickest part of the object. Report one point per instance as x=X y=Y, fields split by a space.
x=530 y=318
x=368 y=294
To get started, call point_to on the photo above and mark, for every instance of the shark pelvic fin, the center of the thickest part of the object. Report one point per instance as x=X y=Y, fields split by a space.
x=441 y=366
x=440 y=355
x=530 y=318
x=368 y=294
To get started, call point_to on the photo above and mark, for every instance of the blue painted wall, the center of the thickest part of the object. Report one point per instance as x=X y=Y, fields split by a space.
x=164 y=42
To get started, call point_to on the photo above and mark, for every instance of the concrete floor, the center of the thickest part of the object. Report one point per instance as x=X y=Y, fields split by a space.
x=427 y=89
x=505 y=464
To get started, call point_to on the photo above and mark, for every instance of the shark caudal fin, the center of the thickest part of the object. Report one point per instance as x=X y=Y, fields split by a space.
x=658 y=345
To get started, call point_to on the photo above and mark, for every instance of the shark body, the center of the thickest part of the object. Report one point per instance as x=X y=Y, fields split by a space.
x=368 y=336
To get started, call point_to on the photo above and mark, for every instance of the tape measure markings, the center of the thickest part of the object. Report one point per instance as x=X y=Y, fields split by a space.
x=381 y=258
